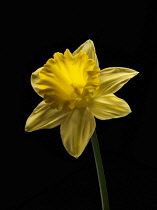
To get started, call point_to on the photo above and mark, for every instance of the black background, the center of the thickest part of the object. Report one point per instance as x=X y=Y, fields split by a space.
x=37 y=172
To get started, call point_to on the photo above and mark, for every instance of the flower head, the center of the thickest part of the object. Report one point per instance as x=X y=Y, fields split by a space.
x=74 y=91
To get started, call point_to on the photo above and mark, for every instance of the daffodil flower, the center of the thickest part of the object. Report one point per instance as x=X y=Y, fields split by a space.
x=74 y=91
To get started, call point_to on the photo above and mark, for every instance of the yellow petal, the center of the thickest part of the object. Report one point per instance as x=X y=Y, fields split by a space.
x=34 y=79
x=89 y=48
x=113 y=78
x=43 y=117
x=76 y=131
x=108 y=107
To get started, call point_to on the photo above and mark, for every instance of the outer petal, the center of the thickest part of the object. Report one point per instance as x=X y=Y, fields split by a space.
x=34 y=80
x=89 y=48
x=44 y=117
x=76 y=131
x=113 y=78
x=108 y=107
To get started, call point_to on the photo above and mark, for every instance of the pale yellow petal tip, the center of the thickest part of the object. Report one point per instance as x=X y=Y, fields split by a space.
x=74 y=155
x=136 y=72
x=78 y=155
x=90 y=42
x=27 y=128
x=129 y=112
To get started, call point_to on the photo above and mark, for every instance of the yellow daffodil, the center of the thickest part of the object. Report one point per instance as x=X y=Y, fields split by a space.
x=74 y=91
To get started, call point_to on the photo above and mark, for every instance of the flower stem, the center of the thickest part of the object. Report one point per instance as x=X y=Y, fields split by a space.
x=100 y=172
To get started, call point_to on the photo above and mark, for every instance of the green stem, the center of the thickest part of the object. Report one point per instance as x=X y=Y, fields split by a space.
x=100 y=172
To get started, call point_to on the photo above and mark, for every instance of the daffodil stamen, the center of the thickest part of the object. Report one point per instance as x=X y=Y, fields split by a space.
x=77 y=90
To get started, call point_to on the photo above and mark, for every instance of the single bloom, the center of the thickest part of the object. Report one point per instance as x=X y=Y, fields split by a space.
x=74 y=91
